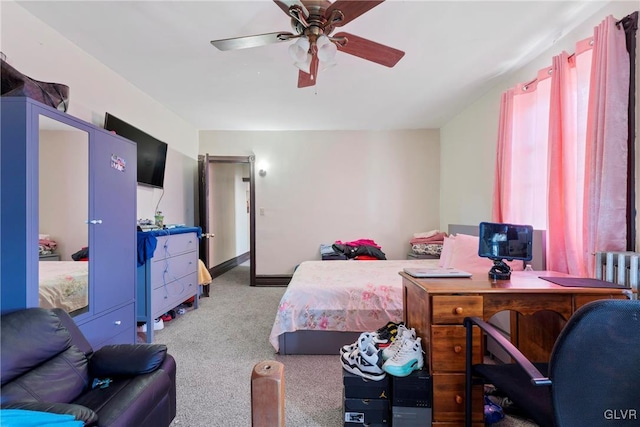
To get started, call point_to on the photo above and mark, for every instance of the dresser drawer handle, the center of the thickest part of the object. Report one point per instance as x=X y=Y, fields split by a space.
x=118 y=322
x=457 y=349
x=458 y=399
x=458 y=310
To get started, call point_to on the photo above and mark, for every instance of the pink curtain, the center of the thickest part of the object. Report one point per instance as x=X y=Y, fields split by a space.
x=606 y=143
x=562 y=152
x=520 y=189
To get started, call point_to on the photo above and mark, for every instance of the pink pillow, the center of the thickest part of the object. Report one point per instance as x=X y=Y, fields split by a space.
x=465 y=256
x=447 y=249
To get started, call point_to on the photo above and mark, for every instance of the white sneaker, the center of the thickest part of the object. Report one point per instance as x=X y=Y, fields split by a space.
x=403 y=333
x=361 y=343
x=406 y=360
x=157 y=325
x=367 y=363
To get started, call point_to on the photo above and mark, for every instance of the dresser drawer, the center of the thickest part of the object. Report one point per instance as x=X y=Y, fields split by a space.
x=167 y=270
x=175 y=244
x=453 y=309
x=449 y=397
x=173 y=294
x=112 y=324
x=448 y=348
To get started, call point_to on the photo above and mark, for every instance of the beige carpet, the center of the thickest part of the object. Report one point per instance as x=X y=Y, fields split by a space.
x=217 y=346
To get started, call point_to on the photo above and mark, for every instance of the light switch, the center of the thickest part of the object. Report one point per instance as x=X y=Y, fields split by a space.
x=261 y=211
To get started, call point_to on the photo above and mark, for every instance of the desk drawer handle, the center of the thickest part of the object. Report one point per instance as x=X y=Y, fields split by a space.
x=457 y=349
x=118 y=322
x=458 y=399
x=458 y=310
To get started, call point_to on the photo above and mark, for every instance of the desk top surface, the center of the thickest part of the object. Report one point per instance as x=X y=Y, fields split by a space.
x=520 y=282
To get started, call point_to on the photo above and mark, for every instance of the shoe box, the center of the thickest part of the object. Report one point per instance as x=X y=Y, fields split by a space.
x=412 y=399
x=366 y=402
x=357 y=387
x=392 y=401
x=367 y=412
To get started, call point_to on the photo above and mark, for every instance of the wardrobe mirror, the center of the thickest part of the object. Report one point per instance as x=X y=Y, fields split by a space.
x=63 y=272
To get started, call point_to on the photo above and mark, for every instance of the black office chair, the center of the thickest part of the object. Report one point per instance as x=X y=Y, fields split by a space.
x=592 y=378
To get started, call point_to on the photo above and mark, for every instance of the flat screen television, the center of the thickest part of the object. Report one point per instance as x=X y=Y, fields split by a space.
x=506 y=241
x=152 y=153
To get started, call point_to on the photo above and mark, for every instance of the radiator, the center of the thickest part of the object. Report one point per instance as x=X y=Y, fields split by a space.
x=618 y=267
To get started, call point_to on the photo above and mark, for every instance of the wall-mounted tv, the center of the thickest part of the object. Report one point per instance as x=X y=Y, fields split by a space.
x=152 y=153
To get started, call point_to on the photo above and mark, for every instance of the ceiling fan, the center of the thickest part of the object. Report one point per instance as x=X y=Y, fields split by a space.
x=313 y=22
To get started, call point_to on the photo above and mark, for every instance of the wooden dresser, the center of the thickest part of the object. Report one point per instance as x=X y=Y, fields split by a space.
x=436 y=309
x=168 y=278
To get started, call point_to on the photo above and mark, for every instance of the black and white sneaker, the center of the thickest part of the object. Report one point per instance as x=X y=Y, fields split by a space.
x=366 y=363
x=363 y=340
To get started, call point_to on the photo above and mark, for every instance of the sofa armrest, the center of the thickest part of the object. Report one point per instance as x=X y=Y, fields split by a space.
x=79 y=412
x=125 y=360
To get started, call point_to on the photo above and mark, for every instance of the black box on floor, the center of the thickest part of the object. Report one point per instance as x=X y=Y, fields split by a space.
x=410 y=416
x=357 y=387
x=414 y=390
x=369 y=412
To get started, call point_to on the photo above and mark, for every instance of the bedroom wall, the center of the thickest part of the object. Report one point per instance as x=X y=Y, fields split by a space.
x=35 y=49
x=325 y=186
x=468 y=140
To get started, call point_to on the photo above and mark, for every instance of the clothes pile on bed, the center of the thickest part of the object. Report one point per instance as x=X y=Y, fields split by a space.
x=361 y=249
x=393 y=349
x=46 y=245
x=427 y=244
x=328 y=253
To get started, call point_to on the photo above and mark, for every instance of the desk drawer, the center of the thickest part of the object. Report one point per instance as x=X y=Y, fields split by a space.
x=175 y=244
x=448 y=348
x=448 y=398
x=453 y=309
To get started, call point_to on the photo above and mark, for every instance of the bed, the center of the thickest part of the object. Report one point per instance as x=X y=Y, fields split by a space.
x=329 y=303
x=64 y=284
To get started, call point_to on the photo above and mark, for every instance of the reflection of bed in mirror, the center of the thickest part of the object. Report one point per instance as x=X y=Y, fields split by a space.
x=64 y=284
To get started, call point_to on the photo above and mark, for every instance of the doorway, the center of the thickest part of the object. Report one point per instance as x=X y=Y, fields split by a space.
x=226 y=190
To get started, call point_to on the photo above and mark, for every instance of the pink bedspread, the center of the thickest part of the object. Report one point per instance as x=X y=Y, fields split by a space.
x=342 y=296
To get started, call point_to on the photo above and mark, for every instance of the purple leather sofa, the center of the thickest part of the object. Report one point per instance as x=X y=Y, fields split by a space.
x=47 y=365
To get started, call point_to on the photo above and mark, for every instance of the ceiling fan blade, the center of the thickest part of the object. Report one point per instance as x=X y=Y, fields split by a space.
x=369 y=50
x=350 y=9
x=252 y=41
x=286 y=4
x=309 y=79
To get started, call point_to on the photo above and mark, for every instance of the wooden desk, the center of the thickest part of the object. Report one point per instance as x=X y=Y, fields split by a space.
x=436 y=309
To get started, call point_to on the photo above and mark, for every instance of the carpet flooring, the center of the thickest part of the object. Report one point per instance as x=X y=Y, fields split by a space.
x=217 y=346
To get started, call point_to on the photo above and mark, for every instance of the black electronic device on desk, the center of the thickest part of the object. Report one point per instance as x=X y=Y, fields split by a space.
x=499 y=242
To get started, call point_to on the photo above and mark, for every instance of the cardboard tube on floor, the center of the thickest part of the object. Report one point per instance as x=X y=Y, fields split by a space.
x=267 y=394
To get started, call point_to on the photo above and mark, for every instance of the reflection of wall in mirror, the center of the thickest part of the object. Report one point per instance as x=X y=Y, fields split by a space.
x=64 y=189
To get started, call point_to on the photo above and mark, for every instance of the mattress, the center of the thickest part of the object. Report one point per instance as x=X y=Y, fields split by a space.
x=64 y=284
x=342 y=296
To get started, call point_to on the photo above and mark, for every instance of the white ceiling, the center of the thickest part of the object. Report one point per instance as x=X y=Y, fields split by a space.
x=455 y=52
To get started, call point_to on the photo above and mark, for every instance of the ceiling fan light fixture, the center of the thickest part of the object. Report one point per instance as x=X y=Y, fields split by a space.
x=299 y=50
x=304 y=65
x=326 y=50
